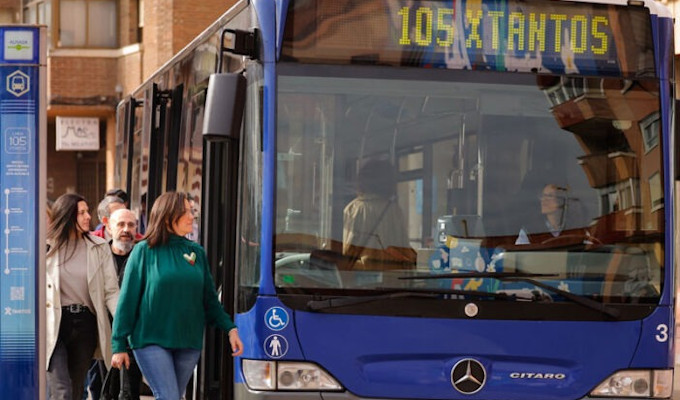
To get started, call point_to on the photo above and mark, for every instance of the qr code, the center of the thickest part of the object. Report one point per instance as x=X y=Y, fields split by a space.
x=16 y=293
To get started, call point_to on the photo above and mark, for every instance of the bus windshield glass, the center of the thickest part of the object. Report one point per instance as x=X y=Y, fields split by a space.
x=395 y=179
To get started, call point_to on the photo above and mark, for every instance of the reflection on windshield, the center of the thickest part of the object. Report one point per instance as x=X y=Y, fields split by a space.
x=452 y=171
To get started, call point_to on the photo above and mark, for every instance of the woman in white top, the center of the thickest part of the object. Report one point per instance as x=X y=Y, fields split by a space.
x=81 y=286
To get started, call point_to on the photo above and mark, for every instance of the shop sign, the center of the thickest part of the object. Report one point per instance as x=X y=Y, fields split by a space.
x=74 y=133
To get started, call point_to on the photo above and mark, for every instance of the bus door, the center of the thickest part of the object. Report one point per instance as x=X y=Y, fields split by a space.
x=219 y=233
x=136 y=157
x=163 y=152
x=124 y=131
x=220 y=195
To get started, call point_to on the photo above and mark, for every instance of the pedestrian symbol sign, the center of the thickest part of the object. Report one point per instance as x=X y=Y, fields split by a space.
x=276 y=346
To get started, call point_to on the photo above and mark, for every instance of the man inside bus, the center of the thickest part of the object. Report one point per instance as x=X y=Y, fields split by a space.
x=375 y=234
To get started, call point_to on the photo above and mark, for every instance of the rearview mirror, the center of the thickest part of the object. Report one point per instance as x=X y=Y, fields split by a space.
x=224 y=106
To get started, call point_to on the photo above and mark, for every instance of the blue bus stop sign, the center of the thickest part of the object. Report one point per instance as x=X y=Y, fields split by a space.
x=22 y=202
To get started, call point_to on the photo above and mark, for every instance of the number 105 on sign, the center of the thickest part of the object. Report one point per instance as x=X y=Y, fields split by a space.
x=16 y=140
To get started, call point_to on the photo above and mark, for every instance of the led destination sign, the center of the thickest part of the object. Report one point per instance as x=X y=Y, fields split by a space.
x=514 y=35
x=537 y=32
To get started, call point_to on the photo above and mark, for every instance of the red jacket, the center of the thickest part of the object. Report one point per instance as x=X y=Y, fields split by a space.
x=101 y=233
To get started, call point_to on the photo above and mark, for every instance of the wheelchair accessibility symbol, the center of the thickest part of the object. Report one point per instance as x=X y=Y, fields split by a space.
x=276 y=318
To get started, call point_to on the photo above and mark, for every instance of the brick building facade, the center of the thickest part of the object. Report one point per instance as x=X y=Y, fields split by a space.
x=100 y=50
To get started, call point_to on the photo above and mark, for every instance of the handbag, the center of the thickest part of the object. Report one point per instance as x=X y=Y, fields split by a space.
x=116 y=385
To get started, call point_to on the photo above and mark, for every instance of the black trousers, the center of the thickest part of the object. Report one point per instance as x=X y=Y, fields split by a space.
x=72 y=355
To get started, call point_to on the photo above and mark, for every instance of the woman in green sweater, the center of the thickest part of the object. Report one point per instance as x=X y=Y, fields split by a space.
x=167 y=297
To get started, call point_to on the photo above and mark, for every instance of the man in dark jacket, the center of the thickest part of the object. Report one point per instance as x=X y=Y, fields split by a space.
x=123 y=227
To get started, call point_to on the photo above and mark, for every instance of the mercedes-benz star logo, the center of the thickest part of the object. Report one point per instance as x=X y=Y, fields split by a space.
x=468 y=376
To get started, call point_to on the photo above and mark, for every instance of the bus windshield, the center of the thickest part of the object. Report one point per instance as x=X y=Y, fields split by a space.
x=397 y=179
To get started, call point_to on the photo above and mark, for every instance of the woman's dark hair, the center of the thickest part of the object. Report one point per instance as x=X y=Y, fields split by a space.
x=167 y=209
x=64 y=225
x=377 y=177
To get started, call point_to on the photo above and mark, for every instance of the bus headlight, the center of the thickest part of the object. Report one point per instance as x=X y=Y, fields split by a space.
x=637 y=383
x=286 y=375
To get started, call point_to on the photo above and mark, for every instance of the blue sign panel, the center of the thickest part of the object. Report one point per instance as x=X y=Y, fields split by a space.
x=19 y=126
x=276 y=318
x=20 y=45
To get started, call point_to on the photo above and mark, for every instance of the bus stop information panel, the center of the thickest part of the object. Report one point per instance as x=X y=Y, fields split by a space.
x=20 y=105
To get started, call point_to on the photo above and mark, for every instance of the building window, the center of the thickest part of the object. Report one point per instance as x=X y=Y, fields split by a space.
x=572 y=88
x=39 y=12
x=656 y=191
x=88 y=23
x=610 y=200
x=619 y=197
x=650 y=127
x=626 y=196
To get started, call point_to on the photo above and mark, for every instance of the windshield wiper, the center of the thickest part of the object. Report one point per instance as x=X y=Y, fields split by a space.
x=528 y=278
x=333 y=302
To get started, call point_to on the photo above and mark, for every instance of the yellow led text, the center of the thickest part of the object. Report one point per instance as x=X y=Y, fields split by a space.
x=499 y=31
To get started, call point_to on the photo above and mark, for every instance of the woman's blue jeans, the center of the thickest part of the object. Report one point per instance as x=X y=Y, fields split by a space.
x=167 y=370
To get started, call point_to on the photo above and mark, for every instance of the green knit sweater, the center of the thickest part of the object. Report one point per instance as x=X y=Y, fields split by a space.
x=167 y=297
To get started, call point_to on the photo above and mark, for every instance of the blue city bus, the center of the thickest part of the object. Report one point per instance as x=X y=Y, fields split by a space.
x=424 y=199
